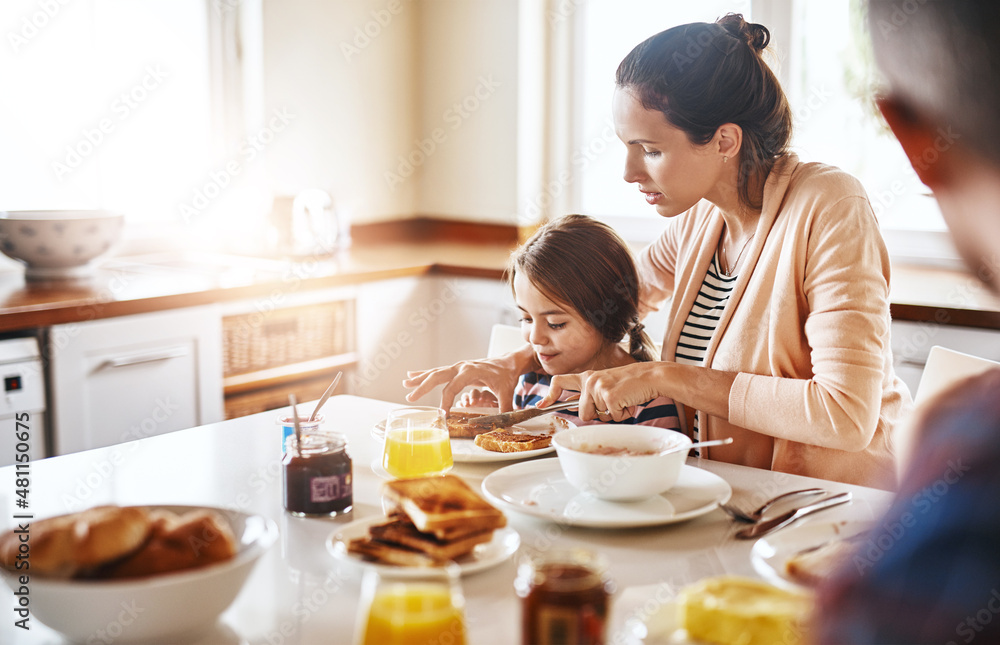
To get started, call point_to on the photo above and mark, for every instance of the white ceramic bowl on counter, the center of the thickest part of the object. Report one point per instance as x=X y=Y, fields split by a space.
x=58 y=244
x=160 y=608
x=626 y=474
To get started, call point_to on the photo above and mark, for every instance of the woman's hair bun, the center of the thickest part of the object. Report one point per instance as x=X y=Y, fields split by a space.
x=755 y=35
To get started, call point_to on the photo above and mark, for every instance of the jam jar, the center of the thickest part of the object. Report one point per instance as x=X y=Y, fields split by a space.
x=565 y=595
x=318 y=475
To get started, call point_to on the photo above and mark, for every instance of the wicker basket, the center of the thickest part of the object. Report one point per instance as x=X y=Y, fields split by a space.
x=262 y=340
x=254 y=401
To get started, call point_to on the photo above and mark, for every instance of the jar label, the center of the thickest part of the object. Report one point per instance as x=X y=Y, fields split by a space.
x=558 y=625
x=328 y=489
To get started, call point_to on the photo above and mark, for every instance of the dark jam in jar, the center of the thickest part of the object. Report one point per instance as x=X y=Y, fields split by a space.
x=565 y=597
x=318 y=476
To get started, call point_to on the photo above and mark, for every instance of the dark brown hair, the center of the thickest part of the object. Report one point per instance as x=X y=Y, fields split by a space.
x=584 y=264
x=702 y=75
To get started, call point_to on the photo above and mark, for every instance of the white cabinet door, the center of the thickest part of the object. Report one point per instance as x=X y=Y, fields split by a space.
x=419 y=323
x=394 y=335
x=136 y=376
x=468 y=309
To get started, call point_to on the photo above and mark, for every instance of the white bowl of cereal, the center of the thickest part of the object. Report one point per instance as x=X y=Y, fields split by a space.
x=620 y=462
x=158 y=607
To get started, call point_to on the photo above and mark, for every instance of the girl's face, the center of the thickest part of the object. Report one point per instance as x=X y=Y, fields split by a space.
x=672 y=173
x=564 y=342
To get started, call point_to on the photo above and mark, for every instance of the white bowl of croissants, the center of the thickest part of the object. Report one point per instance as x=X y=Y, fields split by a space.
x=137 y=573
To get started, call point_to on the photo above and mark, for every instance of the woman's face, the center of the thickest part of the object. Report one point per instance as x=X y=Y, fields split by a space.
x=672 y=173
x=563 y=341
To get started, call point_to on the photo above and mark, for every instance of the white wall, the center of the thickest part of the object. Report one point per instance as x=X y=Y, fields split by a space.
x=346 y=70
x=423 y=89
x=468 y=79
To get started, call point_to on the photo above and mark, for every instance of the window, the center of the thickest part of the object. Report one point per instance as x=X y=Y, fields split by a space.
x=826 y=69
x=606 y=31
x=108 y=104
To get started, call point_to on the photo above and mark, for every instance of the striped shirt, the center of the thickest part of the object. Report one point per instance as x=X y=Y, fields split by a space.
x=703 y=320
x=660 y=412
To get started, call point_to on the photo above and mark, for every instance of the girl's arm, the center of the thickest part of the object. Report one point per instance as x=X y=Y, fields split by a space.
x=497 y=374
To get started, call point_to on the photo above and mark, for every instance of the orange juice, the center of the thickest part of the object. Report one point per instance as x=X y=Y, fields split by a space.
x=417 y=452
x=414 y=614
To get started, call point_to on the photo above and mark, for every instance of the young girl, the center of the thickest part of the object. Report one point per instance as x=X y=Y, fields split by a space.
x=576 y=287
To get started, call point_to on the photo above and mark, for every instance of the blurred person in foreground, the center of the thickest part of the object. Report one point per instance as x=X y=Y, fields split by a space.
x=930 y=571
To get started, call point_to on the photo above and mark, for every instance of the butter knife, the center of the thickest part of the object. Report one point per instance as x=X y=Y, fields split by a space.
x=765 y=527
x=507 y=419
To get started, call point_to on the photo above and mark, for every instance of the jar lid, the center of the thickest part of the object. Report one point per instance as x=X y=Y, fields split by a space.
x=565 y=570
x=315 y=444
x=289 y=420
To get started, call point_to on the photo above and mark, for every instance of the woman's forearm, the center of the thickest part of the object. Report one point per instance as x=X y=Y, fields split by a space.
x=619 y=388
x=701 y=388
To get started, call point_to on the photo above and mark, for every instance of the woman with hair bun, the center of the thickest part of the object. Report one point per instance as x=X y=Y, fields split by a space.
x=774 y=272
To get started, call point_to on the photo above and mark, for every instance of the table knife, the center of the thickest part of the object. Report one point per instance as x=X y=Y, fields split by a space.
x=763 y=528
x=507 y=419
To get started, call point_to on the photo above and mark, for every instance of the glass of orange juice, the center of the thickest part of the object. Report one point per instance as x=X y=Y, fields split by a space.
x=416 y=443
x=412 y=607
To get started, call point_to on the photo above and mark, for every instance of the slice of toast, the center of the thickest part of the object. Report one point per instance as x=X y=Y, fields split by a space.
x=445 y=506
x=810 y=567
x=459 y=428
x=402 y=556
x=402 y=532
x=504 y=441
x=446 y=533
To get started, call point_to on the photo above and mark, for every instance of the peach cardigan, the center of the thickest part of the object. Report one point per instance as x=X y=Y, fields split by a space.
x=806 y=327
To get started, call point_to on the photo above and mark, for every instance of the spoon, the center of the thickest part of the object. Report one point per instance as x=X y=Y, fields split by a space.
x=326 y=395
x=295 y=420
x=696 y=444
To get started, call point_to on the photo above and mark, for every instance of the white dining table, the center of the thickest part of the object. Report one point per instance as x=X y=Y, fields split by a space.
x=300 y=594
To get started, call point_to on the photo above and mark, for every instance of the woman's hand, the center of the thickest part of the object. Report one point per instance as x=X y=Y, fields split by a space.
x=618 y=389
x=499 y=375
x=610 y=394
x=478 y=398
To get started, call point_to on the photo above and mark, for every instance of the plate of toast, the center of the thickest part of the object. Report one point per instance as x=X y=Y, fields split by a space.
x=804 y=556
x=470 y=444
x=429 y=521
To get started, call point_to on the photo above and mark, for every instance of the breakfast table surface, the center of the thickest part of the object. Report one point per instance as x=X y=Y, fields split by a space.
x=299 y=593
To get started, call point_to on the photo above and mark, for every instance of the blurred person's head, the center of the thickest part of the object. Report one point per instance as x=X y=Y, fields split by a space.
x=941 y=63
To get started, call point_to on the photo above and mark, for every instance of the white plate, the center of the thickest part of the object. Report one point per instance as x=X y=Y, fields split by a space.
x=771 y=552
x=466 y=450
x=504 y=544
x=539 y=488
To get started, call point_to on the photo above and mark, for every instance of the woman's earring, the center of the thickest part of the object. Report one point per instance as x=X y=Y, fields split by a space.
x=725 y=159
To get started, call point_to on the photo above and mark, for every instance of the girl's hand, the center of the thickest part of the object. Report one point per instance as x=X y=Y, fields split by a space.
x=478 y=398
x=609 y=394
x=499 y=375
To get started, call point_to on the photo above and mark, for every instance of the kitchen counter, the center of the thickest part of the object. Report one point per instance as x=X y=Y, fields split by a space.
x=236 y=465
x=156 y=282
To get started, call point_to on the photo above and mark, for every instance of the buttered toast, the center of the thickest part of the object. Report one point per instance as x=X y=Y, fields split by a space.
x=400 y=531
x=444 y=506
x=459 y=428
x=431 y=520
x=504 y=441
